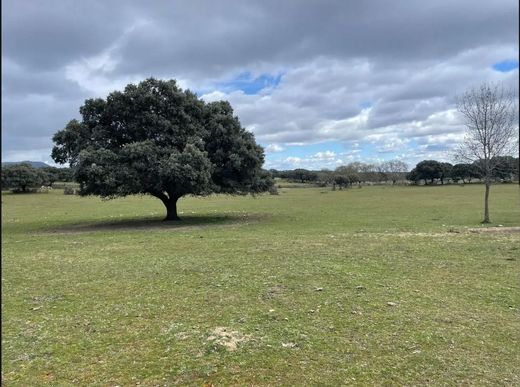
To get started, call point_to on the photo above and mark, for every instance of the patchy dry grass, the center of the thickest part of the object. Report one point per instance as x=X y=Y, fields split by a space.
x=367 y=286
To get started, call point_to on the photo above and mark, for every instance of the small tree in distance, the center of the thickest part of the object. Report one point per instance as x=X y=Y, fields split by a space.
x=22 y=178
x=395 y=170
x=464 y=171
x=426 y=170
x=490 y=114
x=157 y=139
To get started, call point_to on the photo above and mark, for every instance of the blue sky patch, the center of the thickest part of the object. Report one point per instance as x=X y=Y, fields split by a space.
x=506 y=65
x=249 y=85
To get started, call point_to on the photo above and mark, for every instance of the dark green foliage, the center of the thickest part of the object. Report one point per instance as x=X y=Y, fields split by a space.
x=464 y=172
x=21 y=178
x=506 y=168
x=274 y=173
x=53 y=174
x=503 y=168
x=300 y=175
x=426 y=170
x=64 y=174
x=50 y=175
x=413 y=176
x=445 y=171
x=342 y=181
x=155 y=138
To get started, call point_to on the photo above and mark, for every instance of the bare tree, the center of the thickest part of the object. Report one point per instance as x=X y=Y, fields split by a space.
x=395 y=170
x=490 y=114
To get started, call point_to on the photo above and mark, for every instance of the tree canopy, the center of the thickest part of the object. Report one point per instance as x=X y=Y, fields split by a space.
x=21 y=178
x=463 y=171
x=155 y=138
x=426 y=170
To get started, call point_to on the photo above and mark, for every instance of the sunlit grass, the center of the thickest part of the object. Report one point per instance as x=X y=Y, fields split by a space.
x=362 y=286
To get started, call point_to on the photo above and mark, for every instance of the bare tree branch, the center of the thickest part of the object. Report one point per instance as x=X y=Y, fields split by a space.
x=491 y=117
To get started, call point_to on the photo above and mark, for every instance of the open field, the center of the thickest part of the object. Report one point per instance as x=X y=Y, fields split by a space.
x=370 y=286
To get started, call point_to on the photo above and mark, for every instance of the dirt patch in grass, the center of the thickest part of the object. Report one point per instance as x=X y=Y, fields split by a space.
x=273 y=292
x=227 y=338
x=449 y=232
x=508 y=230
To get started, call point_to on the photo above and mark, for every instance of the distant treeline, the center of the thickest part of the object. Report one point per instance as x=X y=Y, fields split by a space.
x=396 y=171
x=430 y=171
x=24 y=177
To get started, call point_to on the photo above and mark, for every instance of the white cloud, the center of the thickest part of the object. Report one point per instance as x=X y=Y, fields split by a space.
x=327 y=156
x=272 y=148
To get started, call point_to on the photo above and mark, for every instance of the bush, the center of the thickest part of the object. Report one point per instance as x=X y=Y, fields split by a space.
x=273 y=190
x=70 y=191
x=44 y=189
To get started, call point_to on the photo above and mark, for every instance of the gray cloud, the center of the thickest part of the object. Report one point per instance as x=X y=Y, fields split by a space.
x=370 y=72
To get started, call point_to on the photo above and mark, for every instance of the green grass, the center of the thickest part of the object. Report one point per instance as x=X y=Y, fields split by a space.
x=104 y=293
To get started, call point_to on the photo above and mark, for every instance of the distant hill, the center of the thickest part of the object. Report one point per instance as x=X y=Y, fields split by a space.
x=35 y=164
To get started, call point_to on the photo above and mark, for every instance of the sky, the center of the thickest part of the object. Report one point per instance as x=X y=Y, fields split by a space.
x=320 y=83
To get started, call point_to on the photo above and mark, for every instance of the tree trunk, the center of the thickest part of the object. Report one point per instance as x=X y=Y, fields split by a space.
x=171 y=209
x=486 y=203
x=169 y=201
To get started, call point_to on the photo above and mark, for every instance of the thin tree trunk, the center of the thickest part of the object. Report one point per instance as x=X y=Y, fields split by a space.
x=486 y=203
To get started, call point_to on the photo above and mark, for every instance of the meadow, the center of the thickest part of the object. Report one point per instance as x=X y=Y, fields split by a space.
x=373 y=286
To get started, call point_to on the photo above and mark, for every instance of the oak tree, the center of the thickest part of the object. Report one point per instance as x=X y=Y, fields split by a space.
x=155 y=138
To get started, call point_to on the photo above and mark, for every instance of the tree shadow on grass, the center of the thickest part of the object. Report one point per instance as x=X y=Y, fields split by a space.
x=157 y=224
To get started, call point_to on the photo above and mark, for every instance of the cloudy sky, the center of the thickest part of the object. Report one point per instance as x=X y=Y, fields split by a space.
x=320 y=83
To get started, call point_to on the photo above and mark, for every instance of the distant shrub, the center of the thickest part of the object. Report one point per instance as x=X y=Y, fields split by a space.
x=44 y=189
x=63 y=185
x=273 y=190
x=70 y=191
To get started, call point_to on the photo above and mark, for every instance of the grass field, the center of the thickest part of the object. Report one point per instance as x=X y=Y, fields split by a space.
x=371 y=286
